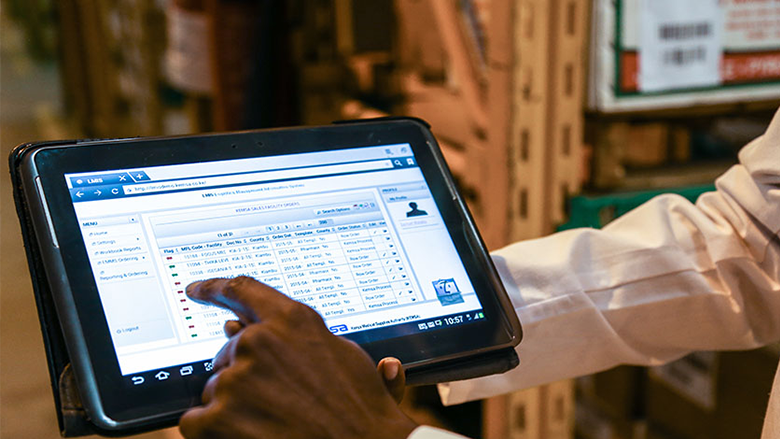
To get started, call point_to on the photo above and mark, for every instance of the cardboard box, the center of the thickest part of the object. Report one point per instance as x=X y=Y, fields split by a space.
x=594 y=423
x=619 y=392
x=681 y=396
x=712 y=395
x=744 y=382
x=647 y=145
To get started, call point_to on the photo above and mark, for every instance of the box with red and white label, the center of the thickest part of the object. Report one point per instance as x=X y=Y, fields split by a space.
x=655 y=54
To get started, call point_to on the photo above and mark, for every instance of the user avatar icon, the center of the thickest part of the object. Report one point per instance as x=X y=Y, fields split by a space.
x=415 y=210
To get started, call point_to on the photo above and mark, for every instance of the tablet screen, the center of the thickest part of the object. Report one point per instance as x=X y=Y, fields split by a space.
x=353 y=233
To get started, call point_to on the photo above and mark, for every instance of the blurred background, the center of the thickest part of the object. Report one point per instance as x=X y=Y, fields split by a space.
x=552 y=114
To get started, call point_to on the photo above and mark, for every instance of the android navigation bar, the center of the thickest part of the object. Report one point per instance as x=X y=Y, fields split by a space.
x=173 y=373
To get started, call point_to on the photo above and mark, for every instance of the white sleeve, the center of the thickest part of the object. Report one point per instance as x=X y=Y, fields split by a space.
x=426 y=432
x=661 y=281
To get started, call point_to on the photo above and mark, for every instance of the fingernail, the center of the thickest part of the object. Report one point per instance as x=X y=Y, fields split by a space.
x=391 y=370
x=191 y=287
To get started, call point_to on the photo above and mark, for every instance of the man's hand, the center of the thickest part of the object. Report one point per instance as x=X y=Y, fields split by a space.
x=389 y=368
x=282 y=374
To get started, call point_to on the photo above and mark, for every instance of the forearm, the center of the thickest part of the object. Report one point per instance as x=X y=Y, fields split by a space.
x=665 y=279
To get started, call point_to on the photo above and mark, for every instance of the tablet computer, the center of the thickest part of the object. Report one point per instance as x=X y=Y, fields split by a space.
x=361 y=221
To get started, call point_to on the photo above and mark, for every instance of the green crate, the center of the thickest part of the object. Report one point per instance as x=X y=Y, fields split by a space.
x=597 y=211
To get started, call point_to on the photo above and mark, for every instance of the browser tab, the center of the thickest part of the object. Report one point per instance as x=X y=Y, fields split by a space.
x=100 y=179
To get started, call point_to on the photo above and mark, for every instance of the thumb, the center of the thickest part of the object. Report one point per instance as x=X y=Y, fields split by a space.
x=393 y=375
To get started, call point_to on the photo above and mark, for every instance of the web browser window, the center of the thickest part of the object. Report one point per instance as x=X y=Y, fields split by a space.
x=354 y=234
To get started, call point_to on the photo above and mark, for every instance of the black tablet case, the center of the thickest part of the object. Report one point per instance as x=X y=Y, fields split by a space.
x=72 y=417
x=70 y=413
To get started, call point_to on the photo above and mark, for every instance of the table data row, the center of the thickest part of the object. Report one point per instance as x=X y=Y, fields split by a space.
x=338 y=271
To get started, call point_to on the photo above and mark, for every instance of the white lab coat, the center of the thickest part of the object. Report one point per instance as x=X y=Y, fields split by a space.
x=666 y=279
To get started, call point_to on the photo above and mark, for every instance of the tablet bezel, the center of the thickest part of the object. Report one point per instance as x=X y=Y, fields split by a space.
x=81 y=312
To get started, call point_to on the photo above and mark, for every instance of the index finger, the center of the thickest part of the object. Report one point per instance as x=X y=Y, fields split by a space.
x=249 y=299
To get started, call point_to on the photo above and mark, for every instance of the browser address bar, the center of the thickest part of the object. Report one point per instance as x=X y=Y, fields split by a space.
x=256 y=177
